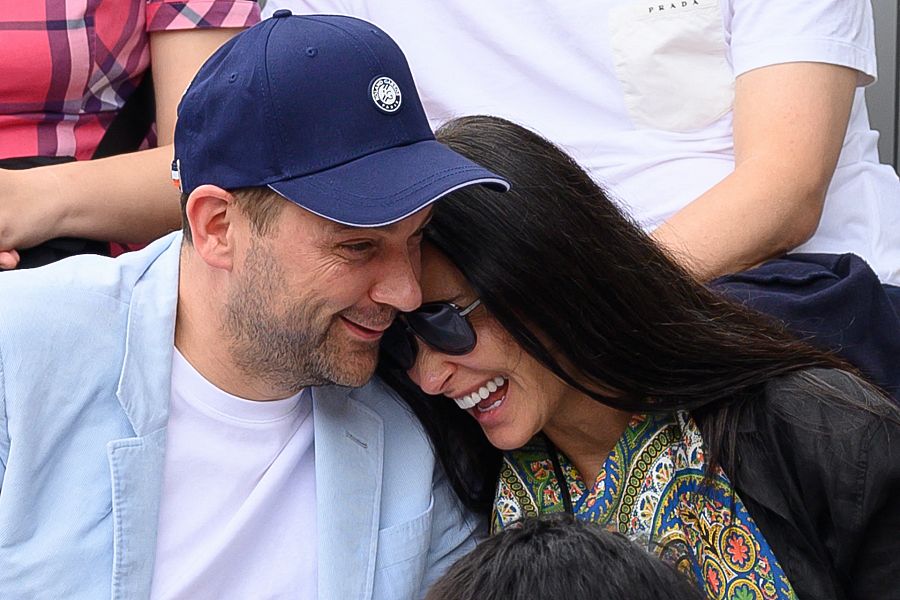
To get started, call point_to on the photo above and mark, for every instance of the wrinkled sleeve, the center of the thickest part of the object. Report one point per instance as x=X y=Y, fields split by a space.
x=845 y=463
x=839 y=32
x=454 y=530
x=874 y=573
x=169 y=15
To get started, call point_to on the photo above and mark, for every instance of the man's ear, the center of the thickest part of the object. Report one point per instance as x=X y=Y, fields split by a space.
x=211 y=215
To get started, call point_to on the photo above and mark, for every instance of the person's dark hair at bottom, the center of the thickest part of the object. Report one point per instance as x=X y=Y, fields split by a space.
x=557 y=556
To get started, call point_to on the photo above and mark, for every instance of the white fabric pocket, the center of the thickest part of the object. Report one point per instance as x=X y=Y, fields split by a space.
x=670 y=57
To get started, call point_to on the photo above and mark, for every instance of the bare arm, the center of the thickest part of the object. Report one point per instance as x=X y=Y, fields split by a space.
x=126 y=198
x=789 y=126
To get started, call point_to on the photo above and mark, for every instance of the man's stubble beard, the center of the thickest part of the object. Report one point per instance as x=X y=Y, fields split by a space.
x=289 y=344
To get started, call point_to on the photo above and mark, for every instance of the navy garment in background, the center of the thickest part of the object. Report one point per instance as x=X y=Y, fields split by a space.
x=834 y=301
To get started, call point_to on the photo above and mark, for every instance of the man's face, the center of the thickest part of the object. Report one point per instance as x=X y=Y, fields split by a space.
x=309 y=301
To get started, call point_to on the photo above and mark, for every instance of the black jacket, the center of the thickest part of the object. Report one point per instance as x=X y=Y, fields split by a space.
x=822 y=481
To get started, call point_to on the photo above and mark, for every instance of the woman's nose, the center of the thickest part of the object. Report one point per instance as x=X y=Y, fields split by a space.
x=431 y=371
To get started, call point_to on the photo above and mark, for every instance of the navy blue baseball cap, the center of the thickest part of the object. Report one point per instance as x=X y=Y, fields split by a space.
x=323 y=110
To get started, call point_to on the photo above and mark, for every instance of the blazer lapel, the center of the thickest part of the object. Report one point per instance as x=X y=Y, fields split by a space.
x=349 y=446
x=136 y=464
x=136 y=467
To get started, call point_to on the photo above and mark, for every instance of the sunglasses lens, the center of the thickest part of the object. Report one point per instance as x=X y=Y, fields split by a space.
x=443 y=328
x=398 y=346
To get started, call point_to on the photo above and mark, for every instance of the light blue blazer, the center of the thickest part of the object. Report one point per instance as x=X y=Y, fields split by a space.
x=85 y=360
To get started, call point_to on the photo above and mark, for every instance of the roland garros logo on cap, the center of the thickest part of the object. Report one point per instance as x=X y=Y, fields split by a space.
x=386 y=94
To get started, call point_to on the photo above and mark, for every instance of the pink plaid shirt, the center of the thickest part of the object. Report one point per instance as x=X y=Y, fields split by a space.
x=67 y=66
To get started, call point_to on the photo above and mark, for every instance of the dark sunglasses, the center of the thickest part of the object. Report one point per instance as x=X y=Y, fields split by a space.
x=442 y=325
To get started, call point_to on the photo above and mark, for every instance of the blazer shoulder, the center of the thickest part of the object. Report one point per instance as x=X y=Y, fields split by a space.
x=80 y=280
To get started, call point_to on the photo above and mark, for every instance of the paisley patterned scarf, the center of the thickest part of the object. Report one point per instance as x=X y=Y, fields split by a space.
x=651 y=489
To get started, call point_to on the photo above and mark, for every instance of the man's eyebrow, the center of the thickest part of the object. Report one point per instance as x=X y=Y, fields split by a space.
x=341 y=228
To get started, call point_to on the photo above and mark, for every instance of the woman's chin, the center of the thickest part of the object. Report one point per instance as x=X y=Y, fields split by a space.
x=506 y=438
x=502 y=424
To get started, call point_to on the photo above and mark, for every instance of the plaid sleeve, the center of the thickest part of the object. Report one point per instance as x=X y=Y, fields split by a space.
x=164 y=15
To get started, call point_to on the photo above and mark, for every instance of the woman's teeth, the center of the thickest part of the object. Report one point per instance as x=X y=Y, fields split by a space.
x=482 y=393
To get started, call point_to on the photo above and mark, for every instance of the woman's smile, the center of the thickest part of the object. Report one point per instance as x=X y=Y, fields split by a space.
x=487 y=397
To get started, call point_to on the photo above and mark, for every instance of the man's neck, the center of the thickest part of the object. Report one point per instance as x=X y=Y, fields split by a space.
x=199 y=338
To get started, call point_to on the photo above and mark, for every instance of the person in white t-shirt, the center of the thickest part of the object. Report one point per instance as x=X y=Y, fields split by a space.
x=182 y=422
x=734 y=130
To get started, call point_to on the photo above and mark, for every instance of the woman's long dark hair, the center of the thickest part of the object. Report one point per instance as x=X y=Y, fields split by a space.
x=588 y=294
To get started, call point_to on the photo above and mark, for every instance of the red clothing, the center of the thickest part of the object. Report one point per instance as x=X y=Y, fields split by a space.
x=67 y=66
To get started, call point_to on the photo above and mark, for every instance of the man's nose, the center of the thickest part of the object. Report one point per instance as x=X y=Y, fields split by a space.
x=398 y=283
x=431 y=371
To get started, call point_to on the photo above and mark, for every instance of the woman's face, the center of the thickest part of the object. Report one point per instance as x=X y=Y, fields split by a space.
x=516 y=396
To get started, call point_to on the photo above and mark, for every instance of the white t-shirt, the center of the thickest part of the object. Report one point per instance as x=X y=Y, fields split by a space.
x=640 y=91
x=237 y=518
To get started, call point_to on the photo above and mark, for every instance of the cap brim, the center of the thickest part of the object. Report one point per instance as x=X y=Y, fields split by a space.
x=387 y=186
